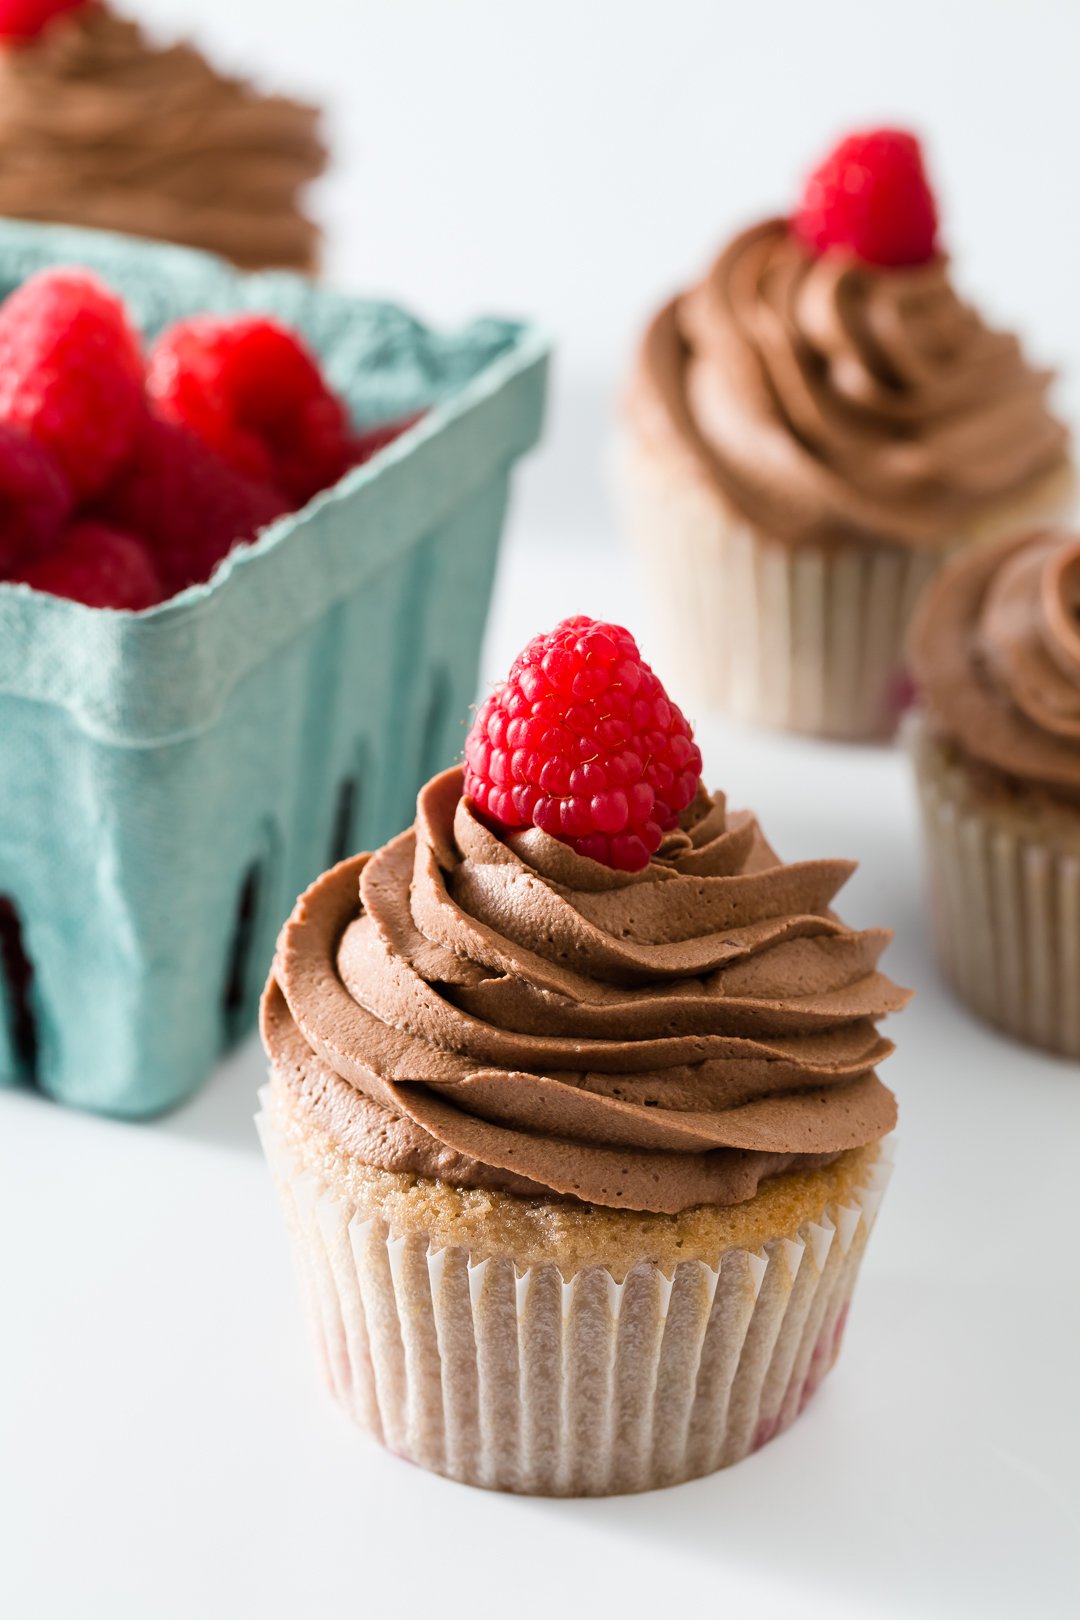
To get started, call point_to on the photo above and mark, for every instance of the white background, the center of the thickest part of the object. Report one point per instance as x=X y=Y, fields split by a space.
x=165 y=1449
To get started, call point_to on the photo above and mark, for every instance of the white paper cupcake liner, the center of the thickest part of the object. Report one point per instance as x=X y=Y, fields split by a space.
x=582 y=1387
x=1006 y=914
x=797 y=638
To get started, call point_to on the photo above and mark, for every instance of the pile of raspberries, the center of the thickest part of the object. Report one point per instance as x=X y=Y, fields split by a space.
x=127 y=476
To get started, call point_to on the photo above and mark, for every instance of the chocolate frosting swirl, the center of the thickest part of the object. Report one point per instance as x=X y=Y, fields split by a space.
x=829 y=399
x=502 y=1012
x=996 y=652
x=99 y=127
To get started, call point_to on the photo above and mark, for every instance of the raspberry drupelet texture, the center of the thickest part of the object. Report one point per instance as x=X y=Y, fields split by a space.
x=100 y=567
x=582 y=741
x=871 y=198
x=251 y=390
x=188 y=504
x=35 y=500
x=71 y=374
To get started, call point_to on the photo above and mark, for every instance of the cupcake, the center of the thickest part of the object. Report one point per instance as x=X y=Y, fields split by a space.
x=573 y=1106
x=996 y=654
x=810 y=432
x=98 y=126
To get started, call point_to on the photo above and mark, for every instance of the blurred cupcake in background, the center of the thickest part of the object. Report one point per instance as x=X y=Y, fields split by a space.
x=996 y=655
x=809 y=432
x=99 y=126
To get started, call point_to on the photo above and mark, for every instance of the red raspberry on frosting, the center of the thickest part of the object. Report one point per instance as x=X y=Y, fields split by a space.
x=102 y=567
x=26 y=19
x=35 y=500
x=582 y=741
x=872 y=199
x=188 y=505
x=249 y=388
x=71 y=374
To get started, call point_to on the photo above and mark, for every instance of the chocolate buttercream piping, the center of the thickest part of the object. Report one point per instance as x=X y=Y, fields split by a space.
x=830 y=400
x=996 y=652
x=100 y=127
x=505 y=1013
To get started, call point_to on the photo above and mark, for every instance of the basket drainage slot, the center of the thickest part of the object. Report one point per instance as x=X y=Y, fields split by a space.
x=238 y=987
x=16 y=1000
x=343 y=831
x=432 y=757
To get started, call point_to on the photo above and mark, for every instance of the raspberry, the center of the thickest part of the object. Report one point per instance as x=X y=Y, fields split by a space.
x=35 y=500
x=582 y=741
x=102 y=567
x=184 y=501
x=26 y=19
x=250 y=390
x=871 y=196
x=71 y=373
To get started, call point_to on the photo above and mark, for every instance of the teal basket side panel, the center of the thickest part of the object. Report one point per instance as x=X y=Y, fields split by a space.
x=151 y=909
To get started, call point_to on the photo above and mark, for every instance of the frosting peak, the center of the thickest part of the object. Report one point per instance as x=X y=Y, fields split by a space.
x=830 y=399
x=100 y=127
x=996 y=651
x=507 y=1013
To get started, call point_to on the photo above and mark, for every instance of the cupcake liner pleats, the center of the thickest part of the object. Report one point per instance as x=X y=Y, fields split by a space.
x=797 y=638
x=581 y=1386
x=1005 y=906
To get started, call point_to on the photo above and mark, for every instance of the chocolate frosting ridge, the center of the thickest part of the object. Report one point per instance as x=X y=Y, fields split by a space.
x=100 y=127
x=996 y=652
x=506 y=1013
x=829 y=399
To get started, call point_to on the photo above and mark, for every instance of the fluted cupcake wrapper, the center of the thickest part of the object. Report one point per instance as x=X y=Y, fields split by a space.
x=798 y=638
x=1006 y=914
x=587 y=1386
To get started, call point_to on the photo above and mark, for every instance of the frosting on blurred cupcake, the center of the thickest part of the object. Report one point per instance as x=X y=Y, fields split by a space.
x=830 y=399
x=996 y=653
x=100 y=127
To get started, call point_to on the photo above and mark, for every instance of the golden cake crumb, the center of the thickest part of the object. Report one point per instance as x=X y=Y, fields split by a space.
x=573 y=1236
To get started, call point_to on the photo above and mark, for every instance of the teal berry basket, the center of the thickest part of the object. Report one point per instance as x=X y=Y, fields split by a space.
x=173 y=779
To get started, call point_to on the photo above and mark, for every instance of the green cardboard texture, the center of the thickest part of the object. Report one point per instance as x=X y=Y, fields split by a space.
x=172 y=780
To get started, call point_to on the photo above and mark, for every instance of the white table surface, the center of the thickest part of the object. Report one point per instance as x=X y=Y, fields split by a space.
x=167 y=1451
